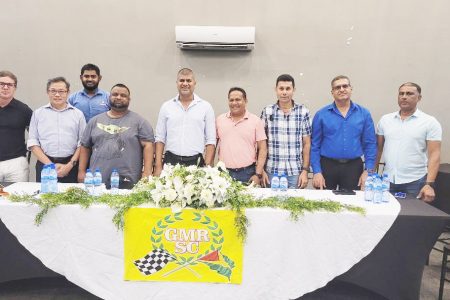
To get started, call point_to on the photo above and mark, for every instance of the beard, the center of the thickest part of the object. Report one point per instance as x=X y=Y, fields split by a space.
x=89 y=87
x=118 y=106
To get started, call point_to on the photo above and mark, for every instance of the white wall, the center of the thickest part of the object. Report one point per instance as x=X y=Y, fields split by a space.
x=379 y=44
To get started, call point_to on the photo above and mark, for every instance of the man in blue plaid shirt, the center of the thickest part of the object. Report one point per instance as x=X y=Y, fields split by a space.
x=288 y=130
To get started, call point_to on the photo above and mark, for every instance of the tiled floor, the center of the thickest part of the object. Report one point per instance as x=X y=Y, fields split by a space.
x=432 y=275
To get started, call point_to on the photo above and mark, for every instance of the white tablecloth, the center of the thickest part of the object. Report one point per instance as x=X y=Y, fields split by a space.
x=283 y=259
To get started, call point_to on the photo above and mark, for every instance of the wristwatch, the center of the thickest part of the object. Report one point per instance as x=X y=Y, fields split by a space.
x=305 y=169
x=430 y=183
x=74 y=162
x=258 y=175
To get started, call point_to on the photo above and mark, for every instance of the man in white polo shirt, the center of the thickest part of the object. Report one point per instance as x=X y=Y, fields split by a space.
x=411 y=142
x=241 y=140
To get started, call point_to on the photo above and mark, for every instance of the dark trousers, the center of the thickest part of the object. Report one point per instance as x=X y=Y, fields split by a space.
x=341 y=173
x=411 y=188
x=70 y=178
x=173 y=159
x=243 y=174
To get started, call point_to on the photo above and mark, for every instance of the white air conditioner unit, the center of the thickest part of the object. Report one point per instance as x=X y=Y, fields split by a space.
x=215 y=38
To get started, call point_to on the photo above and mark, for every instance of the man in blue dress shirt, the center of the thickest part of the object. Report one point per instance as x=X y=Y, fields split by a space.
x=342 y=132
x=91 y=100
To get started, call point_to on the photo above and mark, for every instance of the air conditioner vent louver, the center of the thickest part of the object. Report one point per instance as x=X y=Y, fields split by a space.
x=215 y=38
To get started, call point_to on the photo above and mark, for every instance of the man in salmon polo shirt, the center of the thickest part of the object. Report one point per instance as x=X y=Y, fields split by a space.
x=241 y=140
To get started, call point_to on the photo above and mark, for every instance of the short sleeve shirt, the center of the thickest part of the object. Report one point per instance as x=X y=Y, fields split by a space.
x=405 y=144
x=116 y=144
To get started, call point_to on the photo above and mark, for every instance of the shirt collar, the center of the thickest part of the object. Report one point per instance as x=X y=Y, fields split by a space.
x=416 y=114
x=69 y=106
x=196 y=100
x=333 y=107
x=97 y=92
x=246 y=115
x=294 y=105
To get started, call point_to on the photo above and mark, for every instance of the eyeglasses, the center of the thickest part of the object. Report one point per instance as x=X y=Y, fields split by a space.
x=54 y=92
x=7 y=84
x=338 y=87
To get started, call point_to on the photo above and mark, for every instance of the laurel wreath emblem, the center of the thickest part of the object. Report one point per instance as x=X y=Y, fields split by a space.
x=216 y=245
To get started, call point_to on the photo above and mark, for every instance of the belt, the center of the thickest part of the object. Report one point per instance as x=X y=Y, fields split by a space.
x=60 y=160
x=183 y=158
x=242 y=169
x=342 y=160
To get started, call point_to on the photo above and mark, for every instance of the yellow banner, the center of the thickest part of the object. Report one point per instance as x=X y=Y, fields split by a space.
x=191 y=245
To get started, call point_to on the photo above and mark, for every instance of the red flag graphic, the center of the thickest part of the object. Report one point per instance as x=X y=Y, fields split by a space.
x=213 y=256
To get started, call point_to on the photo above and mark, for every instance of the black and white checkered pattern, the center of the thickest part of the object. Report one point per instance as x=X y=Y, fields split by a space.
x=153 y=261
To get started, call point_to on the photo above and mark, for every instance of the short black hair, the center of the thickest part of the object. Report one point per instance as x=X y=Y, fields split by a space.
x=285 y=77
x=58 y=79
x=90 y=67
x=122 y=86
x=235 y=88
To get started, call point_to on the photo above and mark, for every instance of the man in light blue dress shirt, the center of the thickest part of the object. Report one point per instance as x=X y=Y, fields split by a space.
x=411 y=142
x=186 y=127
x=55 y=132
x=91 y=100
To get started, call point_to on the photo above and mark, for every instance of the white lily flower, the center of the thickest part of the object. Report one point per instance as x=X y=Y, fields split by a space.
x=170 y=195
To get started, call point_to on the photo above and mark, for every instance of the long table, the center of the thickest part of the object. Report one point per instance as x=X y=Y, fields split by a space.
x=393 y=269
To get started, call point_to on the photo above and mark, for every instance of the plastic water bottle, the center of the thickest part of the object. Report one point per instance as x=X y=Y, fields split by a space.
x=283 y=182
x=115 y=181
x=52 y=179
x=283 y=186
x=97 y=182
x=377 y=190
x=89 y=182
x=385 y=185
x=44 y=179
x=368 y=188
x=275 y=182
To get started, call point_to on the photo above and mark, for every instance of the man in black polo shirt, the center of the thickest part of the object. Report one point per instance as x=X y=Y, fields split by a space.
x=14 y=119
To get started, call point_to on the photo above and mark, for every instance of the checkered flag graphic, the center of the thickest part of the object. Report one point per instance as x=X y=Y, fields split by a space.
x=153 y=261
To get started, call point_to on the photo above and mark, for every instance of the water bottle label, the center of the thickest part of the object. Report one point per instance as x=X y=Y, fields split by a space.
x=275 y=183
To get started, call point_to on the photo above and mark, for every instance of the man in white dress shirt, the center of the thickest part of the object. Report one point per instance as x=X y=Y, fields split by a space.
x=186 y=127
x=411 y=142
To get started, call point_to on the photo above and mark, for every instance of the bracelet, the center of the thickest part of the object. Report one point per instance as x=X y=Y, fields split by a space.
x=305 y=169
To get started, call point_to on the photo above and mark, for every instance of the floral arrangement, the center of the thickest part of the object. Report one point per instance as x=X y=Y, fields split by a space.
x=179 y=187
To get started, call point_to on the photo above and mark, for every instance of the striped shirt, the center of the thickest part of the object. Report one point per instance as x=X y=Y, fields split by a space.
x=285 y=134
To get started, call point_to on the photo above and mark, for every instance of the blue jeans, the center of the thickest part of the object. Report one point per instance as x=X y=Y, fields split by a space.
x=243 y=175
x=292 y=180
x=411 y=188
